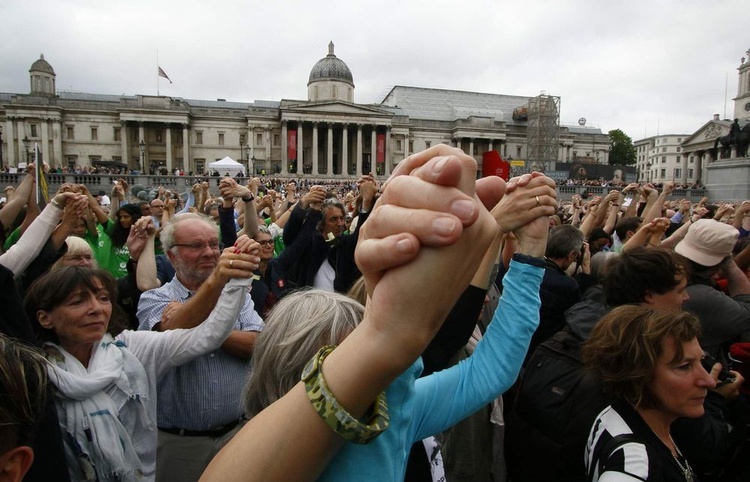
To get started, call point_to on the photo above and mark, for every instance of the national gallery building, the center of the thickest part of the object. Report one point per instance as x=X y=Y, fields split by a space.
x=326 y=135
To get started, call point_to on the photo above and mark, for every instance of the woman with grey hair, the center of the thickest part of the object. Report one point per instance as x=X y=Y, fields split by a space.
x=297 y=327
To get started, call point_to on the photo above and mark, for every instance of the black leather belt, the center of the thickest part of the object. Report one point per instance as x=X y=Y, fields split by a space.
x=216 y=432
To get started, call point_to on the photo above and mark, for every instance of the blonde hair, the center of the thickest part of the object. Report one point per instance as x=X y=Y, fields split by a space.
x=76 y=246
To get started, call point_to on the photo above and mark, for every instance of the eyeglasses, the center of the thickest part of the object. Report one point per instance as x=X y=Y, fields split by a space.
x=213 y=245
x=266 y=242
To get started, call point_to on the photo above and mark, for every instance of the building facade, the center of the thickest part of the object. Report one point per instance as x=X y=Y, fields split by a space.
x=327 y=135
x=660 y=159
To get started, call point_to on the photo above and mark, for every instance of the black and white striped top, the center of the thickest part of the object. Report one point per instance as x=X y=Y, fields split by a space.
x=622 y=448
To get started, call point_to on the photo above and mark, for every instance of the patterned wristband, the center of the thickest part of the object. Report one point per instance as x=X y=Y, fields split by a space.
x=375 y=421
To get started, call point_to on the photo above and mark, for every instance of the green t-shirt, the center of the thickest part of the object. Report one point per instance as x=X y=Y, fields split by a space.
x=12 y=238
x=278 y=241
x=109 y=257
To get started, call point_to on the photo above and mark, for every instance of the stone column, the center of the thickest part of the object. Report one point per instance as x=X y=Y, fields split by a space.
x=683 y=178
x=23 y=156
x=374 y=149
x=315 y=149
x=169 y=149
x=9 y=142
x=300 y=146
x=45 y=144
x=284 y=147
x=124 y=144
x=491 y=145
x=186 y=149
x=359 y=150
x=406 y=146
x=388 y=152
x=471 y=147
x=142 y=138
x=57 y=140
x=458 y=143
x=345 y=150
x=329 y=151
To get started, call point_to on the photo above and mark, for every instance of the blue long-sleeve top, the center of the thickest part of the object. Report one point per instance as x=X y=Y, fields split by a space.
x=422 y=407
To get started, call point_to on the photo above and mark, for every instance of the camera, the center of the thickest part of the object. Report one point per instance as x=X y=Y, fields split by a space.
x=724 y=376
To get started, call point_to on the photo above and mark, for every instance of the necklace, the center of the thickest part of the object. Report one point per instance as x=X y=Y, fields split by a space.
x=687 y=471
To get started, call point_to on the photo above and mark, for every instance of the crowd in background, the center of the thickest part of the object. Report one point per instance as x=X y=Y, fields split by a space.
x=508 y=335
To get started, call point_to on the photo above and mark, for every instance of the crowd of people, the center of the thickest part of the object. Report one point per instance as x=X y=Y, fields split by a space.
x=434 y=327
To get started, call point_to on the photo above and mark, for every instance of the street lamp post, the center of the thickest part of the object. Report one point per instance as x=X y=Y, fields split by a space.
x=255 y=169
x=26 y=144
x=142 y=145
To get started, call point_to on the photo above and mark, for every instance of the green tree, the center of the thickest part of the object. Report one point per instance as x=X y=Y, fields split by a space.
x=621 y=148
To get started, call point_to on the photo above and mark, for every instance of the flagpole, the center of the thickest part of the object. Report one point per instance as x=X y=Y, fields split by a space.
x=157 y=72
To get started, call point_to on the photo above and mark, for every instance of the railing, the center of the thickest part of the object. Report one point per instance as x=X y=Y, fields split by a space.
x=103 y=182
x=567 y=192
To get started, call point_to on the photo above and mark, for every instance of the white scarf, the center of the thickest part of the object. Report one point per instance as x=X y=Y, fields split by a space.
x=100 y=427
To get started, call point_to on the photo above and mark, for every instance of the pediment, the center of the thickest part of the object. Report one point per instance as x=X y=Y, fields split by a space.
x=333 y=107
x=708 y=132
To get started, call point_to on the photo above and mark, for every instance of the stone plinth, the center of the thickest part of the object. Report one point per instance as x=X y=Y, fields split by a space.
x=729 y=180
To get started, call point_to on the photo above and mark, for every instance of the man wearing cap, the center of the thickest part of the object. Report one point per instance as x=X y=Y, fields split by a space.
x=708 y=246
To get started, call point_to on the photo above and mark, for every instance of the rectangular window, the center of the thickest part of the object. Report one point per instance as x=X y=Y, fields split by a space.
x=677 y=173
x=200 y=165
x=116 y=158
x=518 y=152
x=690 y=173
x=411 y=146
x=663 y=149
x=662 y=173
x=221 y=138
x=678 y=149
x=93 y=159
x=199 y=137
x=259 y=139
x=70 y=133
x=242 y=139
x=427 y=144
x=117 y=134
x=33 y=130
x=398 y=145
x=94 y=134
x=276 y=140
x=664 y=159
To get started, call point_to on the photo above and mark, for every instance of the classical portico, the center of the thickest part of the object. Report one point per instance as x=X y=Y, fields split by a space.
x=334 y=138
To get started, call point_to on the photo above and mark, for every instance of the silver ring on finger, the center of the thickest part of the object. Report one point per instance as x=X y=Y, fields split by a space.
x=231 y=262
x=537 y=200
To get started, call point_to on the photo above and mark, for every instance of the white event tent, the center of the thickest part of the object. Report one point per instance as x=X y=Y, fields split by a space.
x=227 y=166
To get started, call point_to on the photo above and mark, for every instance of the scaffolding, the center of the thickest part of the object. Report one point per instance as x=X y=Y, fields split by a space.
x=543 y=132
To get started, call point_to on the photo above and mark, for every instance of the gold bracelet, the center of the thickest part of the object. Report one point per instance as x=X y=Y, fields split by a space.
x=375 y=421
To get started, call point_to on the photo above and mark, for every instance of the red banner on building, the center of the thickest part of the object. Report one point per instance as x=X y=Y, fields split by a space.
x=494 y=165
x=380 y=159
x=291 y=143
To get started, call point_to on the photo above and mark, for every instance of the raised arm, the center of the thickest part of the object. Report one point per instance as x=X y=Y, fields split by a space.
x=14 y=206
x=18 y=257
x=407 y=305
x=233 y=263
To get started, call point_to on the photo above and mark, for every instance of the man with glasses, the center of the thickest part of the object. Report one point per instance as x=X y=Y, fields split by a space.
x=199 y=406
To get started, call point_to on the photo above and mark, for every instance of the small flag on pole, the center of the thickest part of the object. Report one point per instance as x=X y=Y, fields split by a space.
x=164 y=74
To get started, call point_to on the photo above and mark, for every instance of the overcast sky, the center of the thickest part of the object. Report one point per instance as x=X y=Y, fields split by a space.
x=638 y=65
